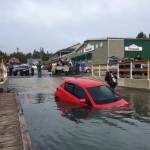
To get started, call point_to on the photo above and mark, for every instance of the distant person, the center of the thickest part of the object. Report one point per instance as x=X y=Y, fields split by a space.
x=39 y=69
x=32 y=71
x=77 y=65
x=137 y=58
x=50 y=69
x=111 y=80
x=10 y=68
x=70 y=67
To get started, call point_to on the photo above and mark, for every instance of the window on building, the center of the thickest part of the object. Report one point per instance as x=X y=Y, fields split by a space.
x=96 y=46
x=101 y=44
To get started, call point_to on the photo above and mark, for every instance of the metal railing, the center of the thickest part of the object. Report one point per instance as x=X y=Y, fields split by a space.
x=132 y=69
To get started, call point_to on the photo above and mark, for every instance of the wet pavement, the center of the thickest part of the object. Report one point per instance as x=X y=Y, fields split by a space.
x=54 y=125
x=10 y=133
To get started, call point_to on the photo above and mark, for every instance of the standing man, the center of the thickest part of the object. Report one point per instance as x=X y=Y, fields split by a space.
x=39 y=69
x=32 y=71
x=77 y=65
x=10 y=67
x=111 y=80
x=138 y=58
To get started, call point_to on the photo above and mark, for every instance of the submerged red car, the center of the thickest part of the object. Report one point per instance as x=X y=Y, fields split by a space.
x=88 y=92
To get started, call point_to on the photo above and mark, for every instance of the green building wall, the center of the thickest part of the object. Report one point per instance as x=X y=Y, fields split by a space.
x=144 y=43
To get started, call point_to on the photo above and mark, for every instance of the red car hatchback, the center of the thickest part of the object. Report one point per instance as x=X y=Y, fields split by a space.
x=88 y=92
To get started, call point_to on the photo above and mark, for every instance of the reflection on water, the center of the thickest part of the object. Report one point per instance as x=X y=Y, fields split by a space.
x=55 y=125
x=139 y=98
x=39 y=98
x=72 y=112
x=76 y=114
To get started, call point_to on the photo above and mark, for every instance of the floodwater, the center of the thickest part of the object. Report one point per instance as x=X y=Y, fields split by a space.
x=57 y=126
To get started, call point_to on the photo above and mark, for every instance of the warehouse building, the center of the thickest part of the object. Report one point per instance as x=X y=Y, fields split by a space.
x=120 y=47
x=63 y=53
x=85 y=51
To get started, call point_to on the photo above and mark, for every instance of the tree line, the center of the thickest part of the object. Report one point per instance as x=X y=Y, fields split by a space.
x=142 y=35
x=41 y=54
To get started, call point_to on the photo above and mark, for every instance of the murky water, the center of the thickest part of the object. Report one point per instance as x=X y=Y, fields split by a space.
x=58 y=126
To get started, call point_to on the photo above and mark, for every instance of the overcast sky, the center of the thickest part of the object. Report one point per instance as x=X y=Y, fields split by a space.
x=56 y=24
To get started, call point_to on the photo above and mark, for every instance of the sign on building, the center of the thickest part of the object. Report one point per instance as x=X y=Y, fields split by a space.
x=133 y=47
x=88 y=48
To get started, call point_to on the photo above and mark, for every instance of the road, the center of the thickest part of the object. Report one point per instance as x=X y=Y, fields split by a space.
x=53 y=128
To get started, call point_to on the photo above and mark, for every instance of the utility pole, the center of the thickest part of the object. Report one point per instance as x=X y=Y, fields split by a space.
x=17 y=50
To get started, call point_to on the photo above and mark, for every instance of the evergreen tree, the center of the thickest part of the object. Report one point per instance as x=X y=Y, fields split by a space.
x=23 y=57
x=141 y=35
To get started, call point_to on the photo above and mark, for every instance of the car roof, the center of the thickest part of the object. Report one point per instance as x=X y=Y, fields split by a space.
x=84 y=82
x=24 y=65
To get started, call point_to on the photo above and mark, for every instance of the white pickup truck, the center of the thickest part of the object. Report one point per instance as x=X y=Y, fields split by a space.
x=60 y=69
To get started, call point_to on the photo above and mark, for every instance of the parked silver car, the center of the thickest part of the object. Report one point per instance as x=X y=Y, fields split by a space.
x=23 y=69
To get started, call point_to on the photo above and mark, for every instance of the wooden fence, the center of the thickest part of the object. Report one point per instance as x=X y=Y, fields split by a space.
x=132 y=70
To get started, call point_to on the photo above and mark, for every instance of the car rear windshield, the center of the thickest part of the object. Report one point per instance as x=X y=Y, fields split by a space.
x=102 y=94
x=26 y=67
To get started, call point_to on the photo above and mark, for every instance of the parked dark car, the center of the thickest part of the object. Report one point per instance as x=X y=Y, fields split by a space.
x=23 y=70
x=113 y=60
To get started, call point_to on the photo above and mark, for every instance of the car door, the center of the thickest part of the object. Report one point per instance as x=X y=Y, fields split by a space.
x=68 y=95
x=80 y=94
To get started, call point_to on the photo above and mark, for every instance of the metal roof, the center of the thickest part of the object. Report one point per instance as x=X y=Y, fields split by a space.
x=102 y=39
x=68 y=49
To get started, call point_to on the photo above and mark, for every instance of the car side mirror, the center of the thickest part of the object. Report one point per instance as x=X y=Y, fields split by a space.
x=83 y=100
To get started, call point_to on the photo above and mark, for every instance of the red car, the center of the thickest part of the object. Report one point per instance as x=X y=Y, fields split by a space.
x=88 y=92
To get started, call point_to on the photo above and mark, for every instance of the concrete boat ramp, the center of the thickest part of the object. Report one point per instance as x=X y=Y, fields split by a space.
x=13 y=133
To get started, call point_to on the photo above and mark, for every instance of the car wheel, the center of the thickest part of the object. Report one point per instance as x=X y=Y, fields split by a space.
x=21 y=73
x=27 y=73
x=88 y=71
